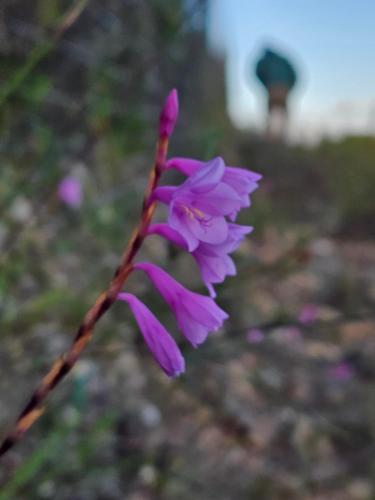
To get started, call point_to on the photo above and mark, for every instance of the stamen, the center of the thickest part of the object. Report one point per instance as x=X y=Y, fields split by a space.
x=195 y=213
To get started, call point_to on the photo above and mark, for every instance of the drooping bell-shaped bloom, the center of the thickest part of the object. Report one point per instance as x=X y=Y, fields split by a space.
x=197 y=208
x=241 y=180
x=168 y=115
x=196 y=315
x=213 y=260
x=70 y=191
x=162 y=346
x=214 y=267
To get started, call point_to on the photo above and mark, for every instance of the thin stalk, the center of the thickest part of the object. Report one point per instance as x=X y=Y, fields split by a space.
x=41 y=51
x=63 y=365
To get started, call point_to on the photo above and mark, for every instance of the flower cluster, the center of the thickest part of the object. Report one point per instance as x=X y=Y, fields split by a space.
x=201 y=220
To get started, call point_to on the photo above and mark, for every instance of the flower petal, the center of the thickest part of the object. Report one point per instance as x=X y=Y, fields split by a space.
x=164 y=194
x=213 y=230
x=162 y=346
x=186 y=166
x=166 y=232
x=220 y=200
x=206 y=177
x=180 y=222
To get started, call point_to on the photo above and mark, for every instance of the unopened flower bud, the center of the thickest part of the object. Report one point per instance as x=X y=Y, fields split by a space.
x=168 y=115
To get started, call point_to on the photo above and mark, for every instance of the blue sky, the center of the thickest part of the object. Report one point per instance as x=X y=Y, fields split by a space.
x=332 y=43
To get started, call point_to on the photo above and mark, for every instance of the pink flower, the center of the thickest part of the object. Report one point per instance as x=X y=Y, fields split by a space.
x=254 y=336
x=214 y=265
x=308 y=314
x=241 y=180
x=168 y=115
x=287 y=334
x=213 y=260
x=196 y=315
x=198 y=207
x=70 y=191
x=342 y=371
x=162 y=346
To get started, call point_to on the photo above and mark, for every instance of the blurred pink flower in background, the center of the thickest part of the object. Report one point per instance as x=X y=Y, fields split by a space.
x=70 y=191
x=254 y=336
x=342 y=371
x=287 y=334
x=308 y=314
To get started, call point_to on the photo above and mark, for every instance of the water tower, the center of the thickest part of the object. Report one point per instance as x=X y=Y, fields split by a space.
x=277 y=75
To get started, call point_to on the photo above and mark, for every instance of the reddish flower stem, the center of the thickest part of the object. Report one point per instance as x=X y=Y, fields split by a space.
x=62 y=366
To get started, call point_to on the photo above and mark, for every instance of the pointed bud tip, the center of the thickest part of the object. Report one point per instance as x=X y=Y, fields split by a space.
x=169 y=114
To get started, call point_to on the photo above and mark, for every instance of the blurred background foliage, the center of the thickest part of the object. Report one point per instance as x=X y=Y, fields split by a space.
x=285 y=413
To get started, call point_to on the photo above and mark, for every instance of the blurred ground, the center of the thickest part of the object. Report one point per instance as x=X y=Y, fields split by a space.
x=281 y=404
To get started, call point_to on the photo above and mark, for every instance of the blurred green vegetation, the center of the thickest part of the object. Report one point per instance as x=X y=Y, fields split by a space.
x=350 y=175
